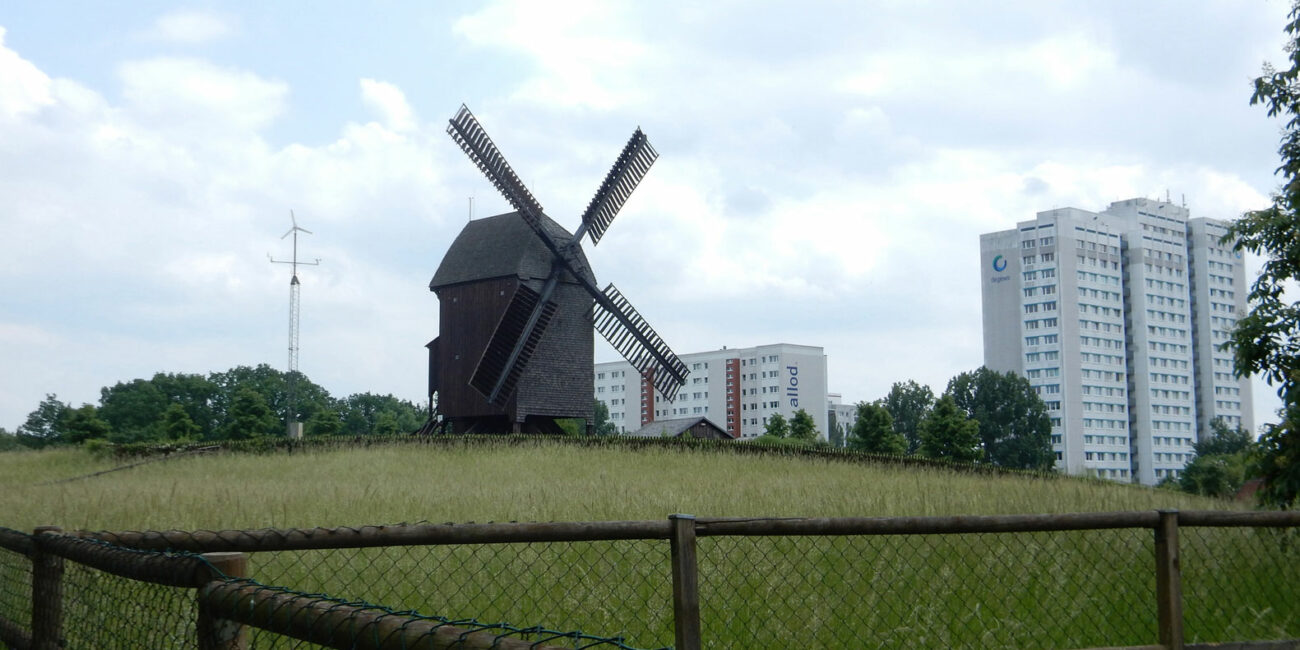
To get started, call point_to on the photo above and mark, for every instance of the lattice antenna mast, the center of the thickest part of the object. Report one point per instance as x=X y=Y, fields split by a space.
x=294 y=310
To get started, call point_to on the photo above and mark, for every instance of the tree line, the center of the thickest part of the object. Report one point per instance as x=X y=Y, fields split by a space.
x=983 y=416
x=237 y=404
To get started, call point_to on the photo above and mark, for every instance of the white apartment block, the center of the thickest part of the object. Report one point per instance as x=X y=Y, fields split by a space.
x=1115 y=318
x=845 y=414
x=738 y=389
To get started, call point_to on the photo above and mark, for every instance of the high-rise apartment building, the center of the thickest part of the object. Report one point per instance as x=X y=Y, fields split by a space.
x=738 y=389
x=1116 y=319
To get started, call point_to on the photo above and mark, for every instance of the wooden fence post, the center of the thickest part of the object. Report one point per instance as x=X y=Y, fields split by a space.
x=47 y=594
x=1169 y=583
x=686 y=588
x=216 y=633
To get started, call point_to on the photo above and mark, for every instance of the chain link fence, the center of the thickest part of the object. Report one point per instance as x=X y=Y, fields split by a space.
x=1031 y=581
x=1025 y=590
x=618 y=587
x=103 y=610
x=1240 y=583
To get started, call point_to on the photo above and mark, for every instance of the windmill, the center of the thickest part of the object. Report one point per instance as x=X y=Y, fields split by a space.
x=518 y=303
x=294 y=427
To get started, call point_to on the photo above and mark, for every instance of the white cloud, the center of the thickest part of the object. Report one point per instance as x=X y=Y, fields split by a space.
x=199 y=95
x=23 y=87
x=389 y=102
x=585 y=52
x=190 y=27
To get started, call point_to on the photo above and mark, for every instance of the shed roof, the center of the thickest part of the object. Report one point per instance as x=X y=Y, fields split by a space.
x=673 y=428
x=501 y=246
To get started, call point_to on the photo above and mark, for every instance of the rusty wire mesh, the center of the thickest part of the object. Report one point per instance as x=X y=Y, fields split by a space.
x=1240 y=583
x=102 y=610
x=16 y=588
x=1059 y=589
x=620 y=588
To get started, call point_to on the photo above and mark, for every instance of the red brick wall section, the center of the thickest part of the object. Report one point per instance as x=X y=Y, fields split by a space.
x=733 y=397
x=647 y=397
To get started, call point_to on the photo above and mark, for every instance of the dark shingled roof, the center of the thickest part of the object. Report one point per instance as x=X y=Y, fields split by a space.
x=674 y=428
x=501 y=246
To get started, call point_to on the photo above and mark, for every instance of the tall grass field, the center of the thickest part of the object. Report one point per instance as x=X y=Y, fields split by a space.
x=1068 y=589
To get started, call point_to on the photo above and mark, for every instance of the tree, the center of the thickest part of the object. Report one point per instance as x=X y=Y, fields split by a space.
x=835 y=432
x=82 y=424
x=1015 y=430
x=803 y=427
x=947 y=433
x=1267 y=337
x=249 y=416
x=8 y=441
x=177 y=425
x=44 y=426
x=776 y=426
x=134 y=410
x=325 y=422
x=908 y=403
x=601 y=424
x=1222 y=462
x=1223 y=440
x=873 y=431
x=362 y=413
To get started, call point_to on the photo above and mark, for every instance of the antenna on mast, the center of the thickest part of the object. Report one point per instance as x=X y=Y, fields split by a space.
x=294 y=427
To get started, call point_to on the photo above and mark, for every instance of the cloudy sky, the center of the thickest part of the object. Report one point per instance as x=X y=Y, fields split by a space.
x=825 y=168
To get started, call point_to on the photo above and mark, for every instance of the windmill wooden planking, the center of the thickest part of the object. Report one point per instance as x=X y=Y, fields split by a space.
x=518 y=304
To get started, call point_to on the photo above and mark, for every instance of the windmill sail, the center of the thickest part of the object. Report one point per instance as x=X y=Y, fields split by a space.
x=496 y=374
x=628 y=170
x=474 y=141
x=633 y=337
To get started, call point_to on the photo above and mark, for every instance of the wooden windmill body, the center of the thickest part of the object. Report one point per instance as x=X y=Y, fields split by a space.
x=518 y=304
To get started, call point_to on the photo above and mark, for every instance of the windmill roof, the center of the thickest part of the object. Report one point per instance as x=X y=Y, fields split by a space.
x=501 y=246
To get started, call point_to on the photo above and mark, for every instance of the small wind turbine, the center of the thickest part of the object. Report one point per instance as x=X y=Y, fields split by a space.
x=294 y=427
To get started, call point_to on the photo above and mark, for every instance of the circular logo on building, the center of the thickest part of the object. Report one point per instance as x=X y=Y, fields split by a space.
x=999 y=263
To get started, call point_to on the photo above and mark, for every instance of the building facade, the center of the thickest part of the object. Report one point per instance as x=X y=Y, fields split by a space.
x=739 y=389
x=1115 y=318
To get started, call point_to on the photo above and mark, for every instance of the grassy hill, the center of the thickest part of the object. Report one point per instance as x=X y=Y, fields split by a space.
x=1069 y=589
x=529 y=481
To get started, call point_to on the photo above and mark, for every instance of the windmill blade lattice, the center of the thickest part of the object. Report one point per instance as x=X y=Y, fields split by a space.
x=633 y=337
x=474 y=141
x=514 y=325
x=628 y=170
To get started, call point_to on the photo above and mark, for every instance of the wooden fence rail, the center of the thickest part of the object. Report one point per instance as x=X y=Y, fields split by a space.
x=225 y=605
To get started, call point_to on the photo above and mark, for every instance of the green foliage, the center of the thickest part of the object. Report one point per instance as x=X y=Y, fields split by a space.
x=82 y=424
x=1015 y=430
x=947 y=433
x=1267 y=337
x=803 y=427
x=1224 y=441
x=177 y=425
x=908 y=403
x=602 y=425
x=873 y=431
x=249 y=416
x=134 y=410
x=325 y=422
x=836 y=430
x=8 y=441
x=44 y=426
x=363 y=414
x=776 y=426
